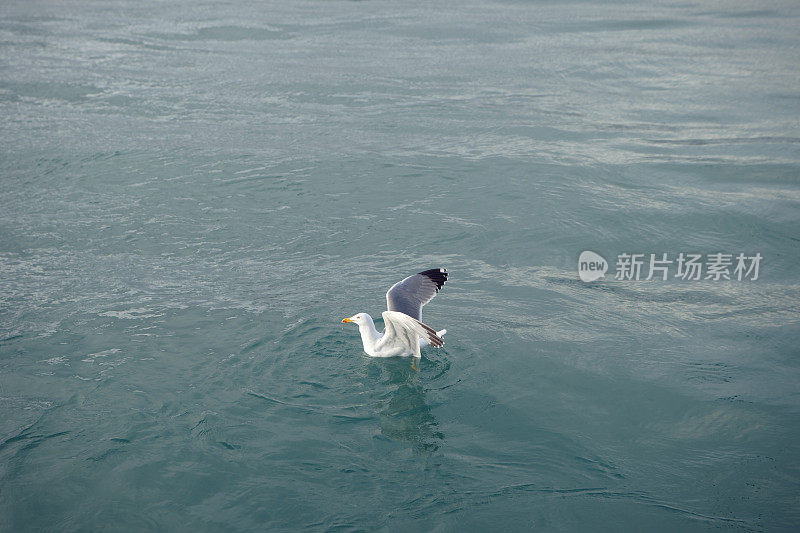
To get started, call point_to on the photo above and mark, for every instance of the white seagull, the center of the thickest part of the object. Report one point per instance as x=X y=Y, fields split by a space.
x=405 y=334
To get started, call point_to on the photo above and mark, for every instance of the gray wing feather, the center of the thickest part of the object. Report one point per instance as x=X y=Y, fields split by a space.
x=396 y=334
x=408 y=296
x=405 y=332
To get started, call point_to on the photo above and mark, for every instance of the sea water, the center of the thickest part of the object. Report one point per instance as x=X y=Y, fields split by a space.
x=194 y=194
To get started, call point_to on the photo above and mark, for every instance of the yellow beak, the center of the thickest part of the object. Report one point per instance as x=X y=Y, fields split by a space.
x=345 y=320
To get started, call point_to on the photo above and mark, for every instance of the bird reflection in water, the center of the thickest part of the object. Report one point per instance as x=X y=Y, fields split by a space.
x=403 y=411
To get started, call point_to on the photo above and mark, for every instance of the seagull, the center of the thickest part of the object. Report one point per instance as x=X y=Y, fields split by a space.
x=405 y=333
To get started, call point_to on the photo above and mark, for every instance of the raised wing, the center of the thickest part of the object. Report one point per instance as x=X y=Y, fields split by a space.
x=405 y=332
x=408 y=296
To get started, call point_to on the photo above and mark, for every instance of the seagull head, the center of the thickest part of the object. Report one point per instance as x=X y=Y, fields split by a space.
x=360 y=319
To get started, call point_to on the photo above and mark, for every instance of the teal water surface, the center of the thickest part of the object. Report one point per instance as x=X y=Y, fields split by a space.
x=194 y=194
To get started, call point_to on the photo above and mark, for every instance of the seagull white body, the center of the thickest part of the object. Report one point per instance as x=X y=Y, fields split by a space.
x=395 y=343
x=404 y=333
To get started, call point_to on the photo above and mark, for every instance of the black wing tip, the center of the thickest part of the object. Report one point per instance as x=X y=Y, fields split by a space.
x=435 y=341
x=437 y=275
